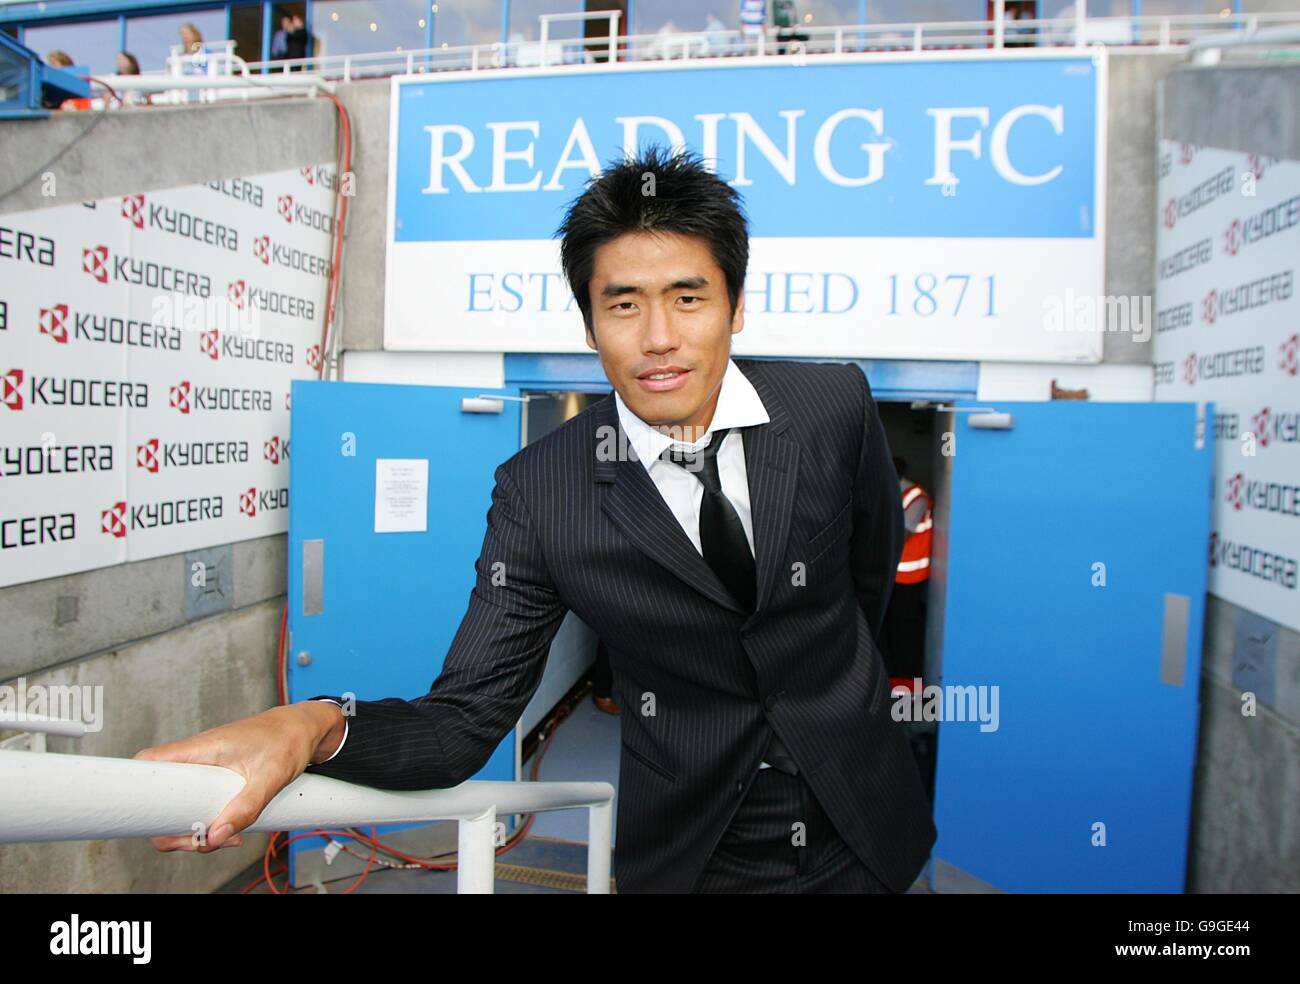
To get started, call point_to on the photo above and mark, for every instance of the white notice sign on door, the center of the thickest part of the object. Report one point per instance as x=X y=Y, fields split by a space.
x=401 y=495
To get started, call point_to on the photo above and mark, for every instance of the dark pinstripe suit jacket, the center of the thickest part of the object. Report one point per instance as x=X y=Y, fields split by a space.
x=701 y=681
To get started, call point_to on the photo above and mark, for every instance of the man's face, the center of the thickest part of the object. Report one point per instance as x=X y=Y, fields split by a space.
x=659 y=302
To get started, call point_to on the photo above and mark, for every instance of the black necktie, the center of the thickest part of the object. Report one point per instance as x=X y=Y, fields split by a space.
x=726 y=550
x=722 y=535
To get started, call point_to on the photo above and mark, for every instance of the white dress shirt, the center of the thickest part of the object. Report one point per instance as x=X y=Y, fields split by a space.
x=738 y=406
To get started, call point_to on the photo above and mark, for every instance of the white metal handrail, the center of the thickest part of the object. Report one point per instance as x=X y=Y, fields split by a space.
x=1161 y=32
x=56 y=797
x=611 y=39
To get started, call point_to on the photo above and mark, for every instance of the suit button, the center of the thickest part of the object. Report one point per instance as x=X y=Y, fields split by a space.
x=772 y=700
x=740 y=786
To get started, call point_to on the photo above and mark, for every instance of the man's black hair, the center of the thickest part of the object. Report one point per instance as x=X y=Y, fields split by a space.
x=654 y=193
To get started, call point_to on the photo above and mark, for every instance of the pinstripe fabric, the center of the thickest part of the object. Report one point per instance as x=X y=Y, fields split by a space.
x=781 y=840
x=702 y=683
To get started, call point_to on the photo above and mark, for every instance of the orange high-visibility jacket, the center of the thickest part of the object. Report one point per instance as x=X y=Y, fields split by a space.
x=914 y=565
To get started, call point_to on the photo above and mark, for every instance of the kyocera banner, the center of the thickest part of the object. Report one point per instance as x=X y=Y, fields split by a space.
x=147 y=344
x=1227 y=320
x=908 y=207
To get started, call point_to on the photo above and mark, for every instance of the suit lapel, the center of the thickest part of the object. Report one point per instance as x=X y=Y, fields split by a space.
x=634 y=504
x=772 y=466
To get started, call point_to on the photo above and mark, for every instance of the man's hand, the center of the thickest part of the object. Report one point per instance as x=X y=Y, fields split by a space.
x=269 y=750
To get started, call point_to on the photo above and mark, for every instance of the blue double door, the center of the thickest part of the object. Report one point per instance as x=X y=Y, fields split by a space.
x=1074 y=597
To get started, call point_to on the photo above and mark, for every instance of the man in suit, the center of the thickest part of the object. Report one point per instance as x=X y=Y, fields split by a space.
x=729 y=527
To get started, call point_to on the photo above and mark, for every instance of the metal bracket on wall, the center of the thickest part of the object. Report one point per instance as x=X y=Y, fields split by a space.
x=494 y=403
x=983 y=418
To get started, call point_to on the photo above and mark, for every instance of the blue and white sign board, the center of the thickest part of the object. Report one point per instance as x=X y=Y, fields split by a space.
x=906 y=206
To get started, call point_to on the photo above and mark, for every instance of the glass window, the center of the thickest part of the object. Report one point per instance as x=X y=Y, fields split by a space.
x=824 y=13
x=1165 y=8
x=910 y=11
x=462 y=22
x=350 y=27
x=92 y=44
x=1098 y=8
x=150 y=39
x=246 y=30
x=524 y=25
x=653 y=16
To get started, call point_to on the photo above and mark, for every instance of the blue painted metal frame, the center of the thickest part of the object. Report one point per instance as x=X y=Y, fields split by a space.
x=40 y=78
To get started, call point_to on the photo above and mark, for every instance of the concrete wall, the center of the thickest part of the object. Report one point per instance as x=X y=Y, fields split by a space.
x=170 y=664
x=1245 y=830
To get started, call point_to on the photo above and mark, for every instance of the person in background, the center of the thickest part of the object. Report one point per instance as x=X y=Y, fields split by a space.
x=718 y=39
x=298 y=40
x=59 y=59
x=902 y=638
x=191 y=39
x=280 y=39
x=127 y=64
x=753 y=22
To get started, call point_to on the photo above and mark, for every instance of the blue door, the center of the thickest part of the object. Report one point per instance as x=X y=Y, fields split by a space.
x=1076 y=574
x=375 y=613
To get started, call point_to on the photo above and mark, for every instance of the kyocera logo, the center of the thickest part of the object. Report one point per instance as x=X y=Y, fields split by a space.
x=133 y=210
x=1289 y=355
x=269 y=251
x=146 y=455
x=1269 y=425
x=179 y=396
x=119 y=518
x=1232 y=237
x=53 y=322
x=253 y=501
x=313 y=357
x=318 y=175
x=113 y=520
x=153 y=455
x=94 y=261
x=11 y=389
x=1260 y=424
x=1272 y=425
x=1233 y=486
x=1171 y=213
x=186 y=398
x=208 y=344
x=304 y=215
x=1189 y=369
x=1186 y=152
x=1209 y=307
x=237 y=293
x=276 y=450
